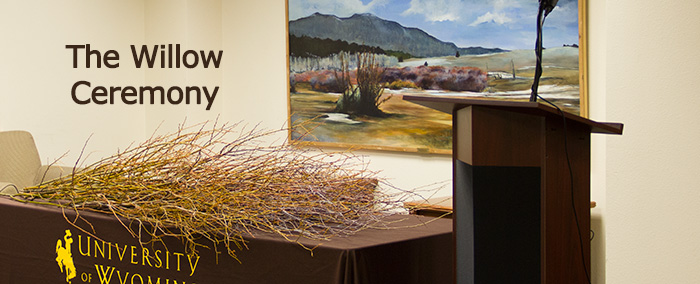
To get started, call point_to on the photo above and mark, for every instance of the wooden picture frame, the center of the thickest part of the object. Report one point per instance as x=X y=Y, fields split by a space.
x=326 y=46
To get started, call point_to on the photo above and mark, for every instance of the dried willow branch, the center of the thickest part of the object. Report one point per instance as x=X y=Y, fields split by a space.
x=220 y=183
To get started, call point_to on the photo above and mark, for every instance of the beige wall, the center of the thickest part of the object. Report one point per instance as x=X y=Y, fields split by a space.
x=196 y=25
x=596 y=30
x=643 y=58
x=36 y=73
x=653 y=171
x=643 y=61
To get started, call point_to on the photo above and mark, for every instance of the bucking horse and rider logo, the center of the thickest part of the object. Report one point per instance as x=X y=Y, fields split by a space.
x=64 y=256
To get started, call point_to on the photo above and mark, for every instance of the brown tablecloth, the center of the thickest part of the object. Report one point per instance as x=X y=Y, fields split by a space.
x=33 y=249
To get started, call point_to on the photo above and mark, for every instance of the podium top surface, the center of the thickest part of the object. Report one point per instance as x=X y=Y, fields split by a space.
x=451 y=104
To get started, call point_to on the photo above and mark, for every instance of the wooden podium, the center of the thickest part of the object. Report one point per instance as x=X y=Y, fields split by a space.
x=514 y=219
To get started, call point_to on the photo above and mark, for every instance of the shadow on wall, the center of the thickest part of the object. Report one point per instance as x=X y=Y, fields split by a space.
x=597 y=249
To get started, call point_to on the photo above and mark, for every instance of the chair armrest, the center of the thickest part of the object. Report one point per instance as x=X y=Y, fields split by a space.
x=7 y=188
x=47 y=173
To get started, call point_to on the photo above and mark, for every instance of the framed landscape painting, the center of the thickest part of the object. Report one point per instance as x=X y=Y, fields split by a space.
x=351 y=61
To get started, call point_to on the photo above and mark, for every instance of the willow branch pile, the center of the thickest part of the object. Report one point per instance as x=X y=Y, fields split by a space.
x=220 y=183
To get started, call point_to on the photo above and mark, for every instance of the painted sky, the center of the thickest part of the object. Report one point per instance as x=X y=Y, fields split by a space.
x=507 y=24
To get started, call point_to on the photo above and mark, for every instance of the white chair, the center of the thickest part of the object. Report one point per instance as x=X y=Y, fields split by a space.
x=20 y=165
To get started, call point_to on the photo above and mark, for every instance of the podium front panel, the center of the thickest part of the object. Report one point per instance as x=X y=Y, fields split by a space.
x=514 y=218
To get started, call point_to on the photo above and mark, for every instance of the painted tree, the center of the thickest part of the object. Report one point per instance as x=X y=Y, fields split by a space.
x=365 y=97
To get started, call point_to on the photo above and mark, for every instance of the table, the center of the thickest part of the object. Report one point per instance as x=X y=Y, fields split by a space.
x=439 y=207
x=434 y=207
x=35 y=247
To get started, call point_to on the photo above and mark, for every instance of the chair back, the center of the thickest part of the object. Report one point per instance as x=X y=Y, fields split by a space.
x=19 y=158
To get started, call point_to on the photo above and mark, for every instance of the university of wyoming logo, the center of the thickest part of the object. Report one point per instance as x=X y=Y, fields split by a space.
x=64 y=256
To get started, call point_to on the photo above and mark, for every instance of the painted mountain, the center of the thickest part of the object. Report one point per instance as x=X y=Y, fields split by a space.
x=367 y=29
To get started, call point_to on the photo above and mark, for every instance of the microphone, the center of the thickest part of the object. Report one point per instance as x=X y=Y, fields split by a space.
x=546 y=7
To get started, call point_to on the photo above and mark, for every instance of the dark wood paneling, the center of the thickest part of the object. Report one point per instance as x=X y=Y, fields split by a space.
x=490 y=137
x=562 y=255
